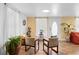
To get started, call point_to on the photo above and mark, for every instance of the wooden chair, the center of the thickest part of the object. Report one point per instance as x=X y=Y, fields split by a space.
x=31 y=42
x=51 y=43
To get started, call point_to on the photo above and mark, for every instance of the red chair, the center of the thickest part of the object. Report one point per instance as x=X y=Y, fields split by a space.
x=74 y=37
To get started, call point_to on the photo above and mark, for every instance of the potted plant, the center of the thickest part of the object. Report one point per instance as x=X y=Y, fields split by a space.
x=13 y=45
x=67 y=30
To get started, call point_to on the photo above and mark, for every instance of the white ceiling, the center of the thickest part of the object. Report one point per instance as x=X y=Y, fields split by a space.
x=35 y=9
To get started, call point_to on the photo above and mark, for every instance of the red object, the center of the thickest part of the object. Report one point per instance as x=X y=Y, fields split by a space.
x=74 y=37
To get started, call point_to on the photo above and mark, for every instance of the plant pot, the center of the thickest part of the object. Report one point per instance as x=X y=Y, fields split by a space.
x=17 y=49
x=13 y=45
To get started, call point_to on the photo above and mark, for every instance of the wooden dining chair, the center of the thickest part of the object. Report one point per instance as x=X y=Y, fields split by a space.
x=31 y=42
x=51 y=43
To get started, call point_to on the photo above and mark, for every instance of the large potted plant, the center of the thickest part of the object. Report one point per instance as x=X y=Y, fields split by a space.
x=67 y=30
x=13 y=45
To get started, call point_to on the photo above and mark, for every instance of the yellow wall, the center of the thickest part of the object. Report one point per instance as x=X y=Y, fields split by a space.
x=31 y=22
x=68 y=20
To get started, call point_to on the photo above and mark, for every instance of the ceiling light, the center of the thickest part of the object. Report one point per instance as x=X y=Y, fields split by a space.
x=54 y=11
x=45 y=11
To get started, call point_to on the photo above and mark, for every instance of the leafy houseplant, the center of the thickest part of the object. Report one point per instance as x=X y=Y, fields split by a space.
x=67 y=30
x=12 y=45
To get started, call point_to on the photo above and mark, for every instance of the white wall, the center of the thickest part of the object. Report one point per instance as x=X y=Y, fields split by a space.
x=22 y=28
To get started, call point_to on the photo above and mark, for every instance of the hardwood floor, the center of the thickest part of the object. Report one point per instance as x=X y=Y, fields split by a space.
x=65 y=48
x=68 y=48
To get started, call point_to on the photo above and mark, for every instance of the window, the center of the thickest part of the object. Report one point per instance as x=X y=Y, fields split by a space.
x=54 y=29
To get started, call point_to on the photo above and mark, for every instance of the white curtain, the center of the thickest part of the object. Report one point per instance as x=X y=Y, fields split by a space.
x=77 y=25
x=11 y=23
x=14 y=23
x=41 y=24
x=1 y=23
x=54 y=26
x=54 y=29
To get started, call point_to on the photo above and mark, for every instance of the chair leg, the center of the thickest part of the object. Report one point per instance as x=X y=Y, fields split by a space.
x=43 y=45
x=25 y=48
x=35 y=49
x=57 y=49
x=48 y=50
x=38 y=45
